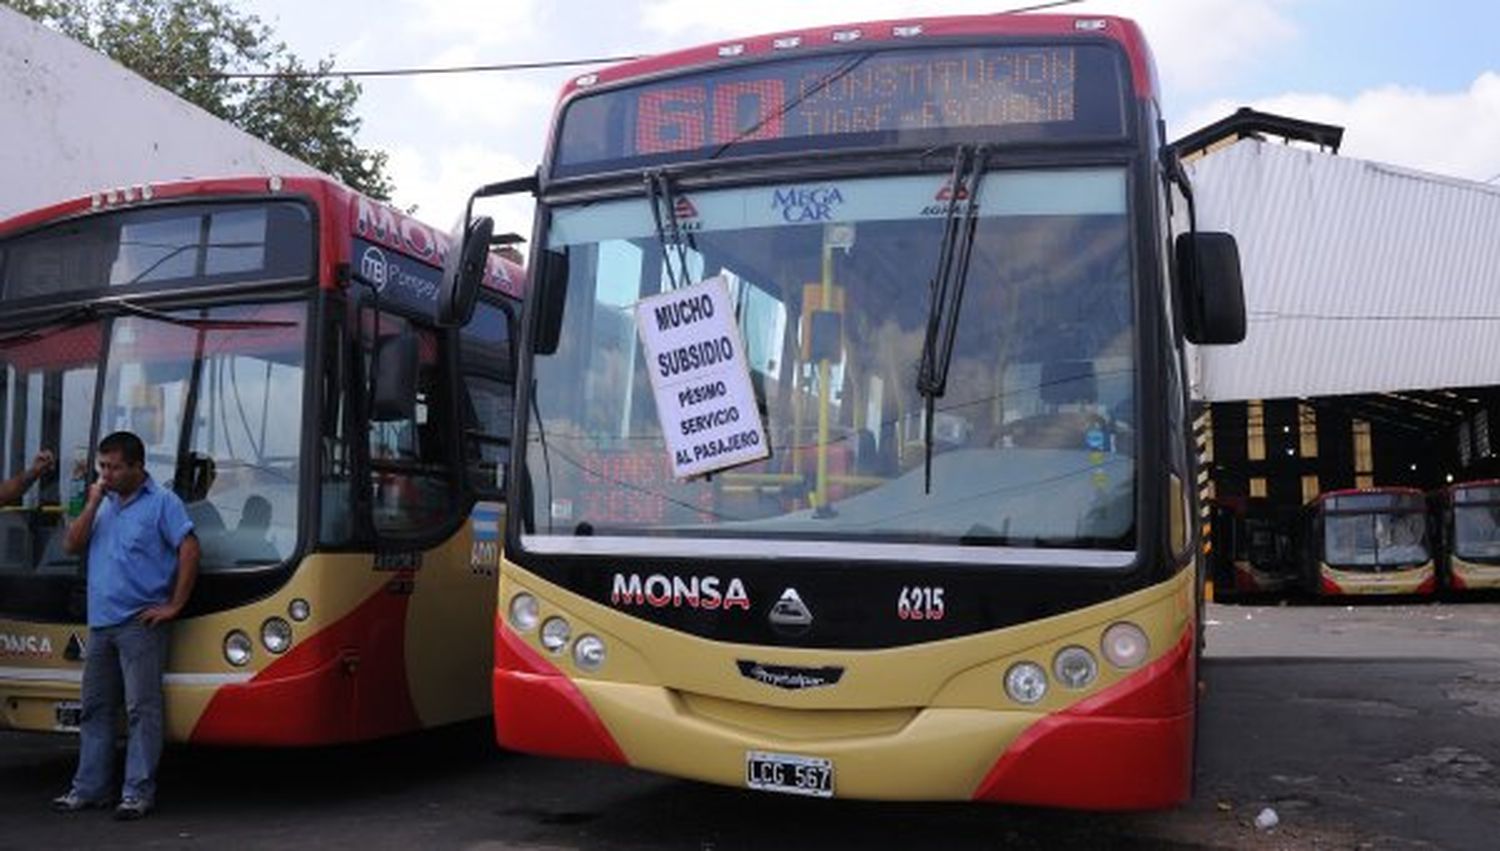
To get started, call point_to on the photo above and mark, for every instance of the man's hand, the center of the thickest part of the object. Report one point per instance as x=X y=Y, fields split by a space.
x=44 y=461
x=159 y=614
x=95 y=495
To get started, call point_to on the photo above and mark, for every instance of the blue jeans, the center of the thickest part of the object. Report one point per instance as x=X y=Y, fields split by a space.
x=123 y=661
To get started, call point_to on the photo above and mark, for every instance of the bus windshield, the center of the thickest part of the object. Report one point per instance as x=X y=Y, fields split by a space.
x=214 y=393
x=1376 y=538
x=1031 y=445
x=1476 y=531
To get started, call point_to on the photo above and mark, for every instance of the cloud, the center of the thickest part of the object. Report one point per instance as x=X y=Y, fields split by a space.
x=1200 y=44
x=1450 y=133
x=519 y=102
x=478 y=21
x=438 y=180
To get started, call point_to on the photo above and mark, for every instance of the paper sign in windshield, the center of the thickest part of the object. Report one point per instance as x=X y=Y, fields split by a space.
x=701 y=379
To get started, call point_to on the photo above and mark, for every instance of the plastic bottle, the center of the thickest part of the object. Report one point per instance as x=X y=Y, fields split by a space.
x=78 y=482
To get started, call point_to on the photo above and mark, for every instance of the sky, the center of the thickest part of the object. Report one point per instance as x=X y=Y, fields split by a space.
x=1413 y=84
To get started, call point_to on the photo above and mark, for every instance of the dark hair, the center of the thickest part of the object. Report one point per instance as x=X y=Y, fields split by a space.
x=131 y=450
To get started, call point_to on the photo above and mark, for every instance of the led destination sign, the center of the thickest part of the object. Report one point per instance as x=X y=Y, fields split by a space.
x=1014 y=92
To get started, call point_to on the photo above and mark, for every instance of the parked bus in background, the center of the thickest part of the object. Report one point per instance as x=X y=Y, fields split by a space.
x=856 y=459
x=1469 y=522
x=1368 y=541
x=337 y=431
x=1253 y=551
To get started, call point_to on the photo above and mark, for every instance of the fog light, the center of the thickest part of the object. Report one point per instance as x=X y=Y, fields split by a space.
x=1026 y=682
x=1074 y=667
x=276 y=635
x=1125 y=645
x=555 y=633
x=238 y=648
x=523 y=612
x=588 y=652
x=299 y=610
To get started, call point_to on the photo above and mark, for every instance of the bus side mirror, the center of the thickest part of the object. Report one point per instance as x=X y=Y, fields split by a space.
x=395 y=393
x=552 y=296
x=463 y=271
x=1212 y=291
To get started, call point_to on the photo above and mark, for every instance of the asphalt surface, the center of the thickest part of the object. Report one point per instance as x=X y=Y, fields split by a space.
x=1361 y=727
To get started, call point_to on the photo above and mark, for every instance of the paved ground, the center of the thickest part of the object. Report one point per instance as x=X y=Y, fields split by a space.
x=1363 y=727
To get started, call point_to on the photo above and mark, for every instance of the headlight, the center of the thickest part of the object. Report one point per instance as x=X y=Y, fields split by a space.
x=238 y=648
x=1026 y=682
x=1074 y=667
x=299 y=610
x=524 y=612
x=555 y=633
x=276 y=635
x=1125 y=645
x=588 y=652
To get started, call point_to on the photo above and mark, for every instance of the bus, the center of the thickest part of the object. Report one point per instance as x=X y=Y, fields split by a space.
x=852 y=447
x=1252 y=549
x=335 y=422
x=1368 y=541
x=1468 y=518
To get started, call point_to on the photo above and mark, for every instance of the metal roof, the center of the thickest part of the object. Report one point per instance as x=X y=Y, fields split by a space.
x=1360 y=278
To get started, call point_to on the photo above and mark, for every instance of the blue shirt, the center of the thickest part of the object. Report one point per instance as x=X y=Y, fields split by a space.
x=133 y=553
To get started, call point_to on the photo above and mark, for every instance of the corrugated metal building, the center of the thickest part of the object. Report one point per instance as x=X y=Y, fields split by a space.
x=1373 y=296
x=1359 y=277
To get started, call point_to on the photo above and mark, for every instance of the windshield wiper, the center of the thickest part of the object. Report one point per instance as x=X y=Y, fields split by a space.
x=99 y=309
x=66 y=319
x=196 y=324
x=947 y=288
x=663 y=200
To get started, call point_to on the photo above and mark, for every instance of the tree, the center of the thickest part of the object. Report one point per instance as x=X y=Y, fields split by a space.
x=187 y=46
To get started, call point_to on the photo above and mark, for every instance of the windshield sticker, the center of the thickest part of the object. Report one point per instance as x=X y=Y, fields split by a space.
x=701 y=379
x=806 y=204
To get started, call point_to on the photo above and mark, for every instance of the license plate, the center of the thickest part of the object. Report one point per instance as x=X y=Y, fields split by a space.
x=789 y=773
x=67 y=713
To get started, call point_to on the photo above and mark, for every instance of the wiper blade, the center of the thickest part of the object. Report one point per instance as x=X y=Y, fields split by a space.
x=98 y=310
x=197 y=324
x=663 y=200
x=30 y=333
x=947 y=288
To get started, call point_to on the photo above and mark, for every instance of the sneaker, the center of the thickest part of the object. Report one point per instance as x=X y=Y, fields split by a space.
x=131 y=809
x=72 y=802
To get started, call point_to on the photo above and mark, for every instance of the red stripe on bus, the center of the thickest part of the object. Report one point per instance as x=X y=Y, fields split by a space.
x=538 y=709
x=345 y=683
x=1129 y=747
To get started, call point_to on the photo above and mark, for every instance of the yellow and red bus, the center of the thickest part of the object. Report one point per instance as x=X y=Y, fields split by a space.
x=1469 y=513
x=928 y=534
x=337 y=431
x=1253 y=551
x=1368 y=541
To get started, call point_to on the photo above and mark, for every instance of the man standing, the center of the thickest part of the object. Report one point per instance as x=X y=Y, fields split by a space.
x=143 y=560
x=13 y=488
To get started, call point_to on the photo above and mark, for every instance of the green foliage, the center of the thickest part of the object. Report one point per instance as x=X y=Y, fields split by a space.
x=185 y=46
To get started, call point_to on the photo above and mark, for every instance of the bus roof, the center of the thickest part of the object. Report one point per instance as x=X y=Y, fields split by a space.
x=902 y=30
x=353 y=213
x=1417 y=494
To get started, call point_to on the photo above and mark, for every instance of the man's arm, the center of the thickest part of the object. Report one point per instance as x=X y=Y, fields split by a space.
x=187 y=575
x=82 y=527
x=13 y=488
